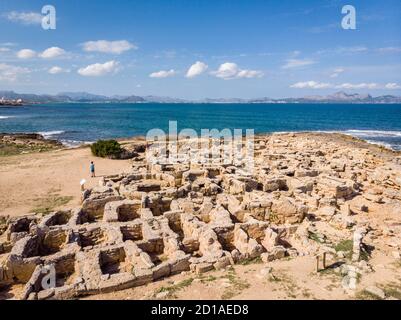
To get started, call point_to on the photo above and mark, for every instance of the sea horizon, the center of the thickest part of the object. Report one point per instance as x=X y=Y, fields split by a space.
x=74 y=124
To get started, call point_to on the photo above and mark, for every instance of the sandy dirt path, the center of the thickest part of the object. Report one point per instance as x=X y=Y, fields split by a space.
x=33 y=181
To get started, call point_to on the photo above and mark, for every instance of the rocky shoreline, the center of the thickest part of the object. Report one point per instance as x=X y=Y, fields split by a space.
x=311 y=195
x=20 y=143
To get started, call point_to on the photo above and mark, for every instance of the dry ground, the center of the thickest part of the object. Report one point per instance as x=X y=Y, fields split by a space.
x=294 y=279
x=39 y=182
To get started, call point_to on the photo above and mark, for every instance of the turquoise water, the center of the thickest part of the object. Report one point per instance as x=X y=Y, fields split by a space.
x=76 y=123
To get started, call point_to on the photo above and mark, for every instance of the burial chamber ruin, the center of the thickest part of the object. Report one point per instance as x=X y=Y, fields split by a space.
x=160 y=220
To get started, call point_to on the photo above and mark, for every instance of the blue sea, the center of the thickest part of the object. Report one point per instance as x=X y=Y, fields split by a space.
x=78 y=123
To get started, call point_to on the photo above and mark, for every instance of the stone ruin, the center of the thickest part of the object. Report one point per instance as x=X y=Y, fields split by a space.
x=162 y=220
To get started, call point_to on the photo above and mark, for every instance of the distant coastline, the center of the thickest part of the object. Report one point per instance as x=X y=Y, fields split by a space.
x=83 y=97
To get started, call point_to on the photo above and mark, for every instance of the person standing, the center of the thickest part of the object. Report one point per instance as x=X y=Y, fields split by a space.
x=92 y=169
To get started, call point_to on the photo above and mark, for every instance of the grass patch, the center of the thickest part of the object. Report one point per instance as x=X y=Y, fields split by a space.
x=329 y=272
x=331 y=287
x=286 y=283
x=250 y=261
x=273 y=218
x=50 y=203
x=230 y=269
x=3 y=224
x=316 y=237
x=365 y=295
x=393 y=290
x=163 y=257
x=236 y=286
x=274 y=278
x=16 y=149
x=174 y=288
x=208 y=279
x=3 y=220
x=345 y=246
x=363 y=255
x=307 y=294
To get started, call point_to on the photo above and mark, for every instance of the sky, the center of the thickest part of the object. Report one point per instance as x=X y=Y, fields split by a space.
x=197 y=49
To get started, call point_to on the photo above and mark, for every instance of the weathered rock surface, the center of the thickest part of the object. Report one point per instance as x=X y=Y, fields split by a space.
x=161 y=220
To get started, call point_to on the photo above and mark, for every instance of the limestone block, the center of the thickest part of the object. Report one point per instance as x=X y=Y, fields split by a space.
x=276 y=253
x=161 y=270
x=203 y=267
x=270 y=239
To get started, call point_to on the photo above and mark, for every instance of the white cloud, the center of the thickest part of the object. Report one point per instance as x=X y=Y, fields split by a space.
x=52 y=52
x=163 y=74
x=49 y=53
x=196 y=69
x=323 y=28
x=116 y=47
x=358 y=86
x=337 y=72
x=297 y=63
x=363 y=85
x=311 y=85
x=389 y=50
x=227 y=70
x=28 y=18
x=26 y=54
x=57 y=70
x=295 y=53
x=8 y=44
x=350 y=50
x=230 y=70
x=168 y=54
x=4 y=49
x=392 y=86
x=10 y=72
x=344 y=50
x=99 y=69
x=250 y=74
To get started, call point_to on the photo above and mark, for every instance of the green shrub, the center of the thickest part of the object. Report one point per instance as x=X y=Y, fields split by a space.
x=106 y=148
x=345 y=246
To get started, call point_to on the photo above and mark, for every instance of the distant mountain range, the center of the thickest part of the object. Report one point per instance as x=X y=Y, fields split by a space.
x=76 y=97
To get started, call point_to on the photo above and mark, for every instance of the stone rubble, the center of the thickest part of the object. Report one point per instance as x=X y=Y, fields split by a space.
x=162 y=220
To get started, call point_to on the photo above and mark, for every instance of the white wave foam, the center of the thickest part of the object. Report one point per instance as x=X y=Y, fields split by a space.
x=356 y=133
x=379 y=137
x=373 y=133
x=5 y=117
x=74 y=143
x=67 y=143
x=382 y=143
x=50 y=134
